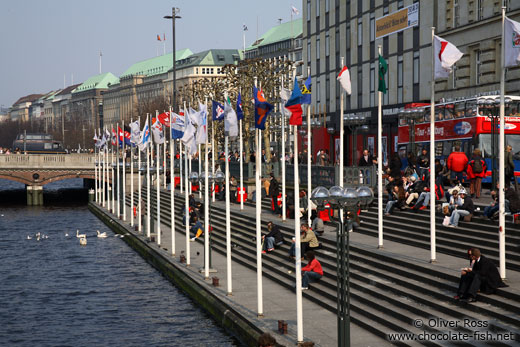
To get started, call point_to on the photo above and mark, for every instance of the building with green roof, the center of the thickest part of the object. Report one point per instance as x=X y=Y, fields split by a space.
x=121 y=100
x=86 y=104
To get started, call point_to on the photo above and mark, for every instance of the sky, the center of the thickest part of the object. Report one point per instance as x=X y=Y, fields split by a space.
x=41 y=41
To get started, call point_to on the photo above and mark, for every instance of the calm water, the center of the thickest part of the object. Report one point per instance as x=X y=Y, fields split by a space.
x=54 y=292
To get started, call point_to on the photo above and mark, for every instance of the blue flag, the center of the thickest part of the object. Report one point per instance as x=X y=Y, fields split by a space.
x=218 y=111
x=240 y=111
x=294 y=105
x=306 y=91
x=262 y=109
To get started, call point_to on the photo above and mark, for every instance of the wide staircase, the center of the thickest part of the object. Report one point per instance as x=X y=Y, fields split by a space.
x=388 y=291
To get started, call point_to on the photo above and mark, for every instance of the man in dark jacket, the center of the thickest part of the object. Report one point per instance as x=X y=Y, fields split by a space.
x=481 y=275
x=274 y=191
x=274 y=237
x=466 y=209
x=424 y=163
x=366 y=159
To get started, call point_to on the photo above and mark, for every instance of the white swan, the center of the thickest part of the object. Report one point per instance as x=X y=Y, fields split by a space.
x=101 y=235
x=66 y=234
x=29 y=238
x=78 y=235
x=83 y=241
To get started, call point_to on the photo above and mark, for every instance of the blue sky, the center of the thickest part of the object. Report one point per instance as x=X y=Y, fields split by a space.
x=43 y=40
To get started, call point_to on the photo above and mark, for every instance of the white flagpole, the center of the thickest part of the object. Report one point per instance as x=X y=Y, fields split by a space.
x=139 y=183
x=241 y=149
x=282 y=113
x=102 y=173
x=309 y=167
x=158 y=182
x=181 y=183
x=213 y=153
x=164 y=158
x=259 y=222
x=341 y=135
x=433 y=256
x=200 y=169
x=297 y=247
x=186 y=193
x=501 y=162
x=118 y=182
x=172 y=187
x=190 y=185
x=131 y=179
x=123 y=156
x=113 y=176
x=379 y=165
x=206 y=204
x=228 y=216
x=96 y=181
x=148 y=212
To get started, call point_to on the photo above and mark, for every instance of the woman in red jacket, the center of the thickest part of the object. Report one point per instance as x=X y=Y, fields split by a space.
x=457 y=162
x=312 y=272
x=476 y=171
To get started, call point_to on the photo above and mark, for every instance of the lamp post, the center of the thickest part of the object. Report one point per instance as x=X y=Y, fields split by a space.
x=342 y=199
x=174 y=16
x=353 y=122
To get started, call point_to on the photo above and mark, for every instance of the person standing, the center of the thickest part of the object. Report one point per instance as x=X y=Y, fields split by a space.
x=366 y=159
x=476 y=171
x=509 y=169
x=424 y=164
x=457 y=162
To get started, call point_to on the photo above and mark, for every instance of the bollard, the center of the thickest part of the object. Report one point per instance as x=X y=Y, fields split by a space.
x=182 y=259
x=284 y=328
x=215 y=281
x=280 y=326
x=91 y=195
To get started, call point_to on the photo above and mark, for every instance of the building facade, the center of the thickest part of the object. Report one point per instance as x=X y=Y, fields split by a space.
x=22 y=108
x=333 y=29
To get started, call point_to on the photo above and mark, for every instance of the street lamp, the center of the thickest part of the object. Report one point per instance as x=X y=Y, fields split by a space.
x=348 y=199
x=174 y=16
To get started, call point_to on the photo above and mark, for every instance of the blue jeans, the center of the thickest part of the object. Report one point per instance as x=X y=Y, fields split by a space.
x=455 y=216
x=424 y=198
x=309 y=277
x=389 y=205
x=269 y=242
x=489 y=211
x=457 y=175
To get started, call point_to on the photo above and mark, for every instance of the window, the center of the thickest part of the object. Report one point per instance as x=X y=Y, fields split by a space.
x=360 y=31
x=318 y=48
x=400 y=4
x=416 y=67
x=308 y=10
x=318 y=8
x=477 y=66
x=480 y=10
x=336 y=41
x=385 y=10
x=318 y=91
x=348 y=35
x=327 y=6
x=456 y=13
x=400 y=79
x=308 y=52
x=327 y=44
x=211 y=70
x=372 y=27
x=454 y=77
x=372 y=84
x=203 y=70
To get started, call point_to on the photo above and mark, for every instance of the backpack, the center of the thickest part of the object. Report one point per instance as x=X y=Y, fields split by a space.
x=477 y=166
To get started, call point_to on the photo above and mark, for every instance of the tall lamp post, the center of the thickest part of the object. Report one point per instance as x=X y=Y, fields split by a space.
x=342 y=199
x=174 y=16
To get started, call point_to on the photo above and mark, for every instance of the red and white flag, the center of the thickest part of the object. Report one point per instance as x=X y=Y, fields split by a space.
x=159 y=38
x=511 y=43
x=164 y=118
x=344 y=80
x=446 y=55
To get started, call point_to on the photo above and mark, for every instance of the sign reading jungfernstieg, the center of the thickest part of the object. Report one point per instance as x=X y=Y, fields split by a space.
x=397 y=21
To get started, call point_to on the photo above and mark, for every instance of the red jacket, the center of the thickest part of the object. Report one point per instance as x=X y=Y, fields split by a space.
x=457 y=161
x=470 y=172
x=315 y=266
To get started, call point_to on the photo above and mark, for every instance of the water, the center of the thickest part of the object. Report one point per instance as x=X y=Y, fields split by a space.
x=54 y=292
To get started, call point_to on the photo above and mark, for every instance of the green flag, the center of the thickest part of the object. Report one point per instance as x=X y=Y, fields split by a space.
x=383 y=67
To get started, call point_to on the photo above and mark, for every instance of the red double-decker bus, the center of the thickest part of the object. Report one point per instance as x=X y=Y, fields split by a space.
x=469 y=123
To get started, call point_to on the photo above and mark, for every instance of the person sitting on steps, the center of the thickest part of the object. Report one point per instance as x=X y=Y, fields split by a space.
x=197 y=229
x=466 y=209
x=308 y=241
x=274 y=237
x=312 y=272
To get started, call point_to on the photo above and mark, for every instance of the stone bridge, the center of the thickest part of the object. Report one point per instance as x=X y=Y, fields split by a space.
x=37 y=170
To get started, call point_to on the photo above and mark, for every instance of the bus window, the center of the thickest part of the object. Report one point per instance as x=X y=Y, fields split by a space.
x=439 y=149
x=514 y=141
x=511 y=110
x=485 y=145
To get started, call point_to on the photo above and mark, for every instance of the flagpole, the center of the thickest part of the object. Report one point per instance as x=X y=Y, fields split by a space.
x=186 y=193
x=341 y=135
x=148 y=212
x=309 y=167
x=213 y=153
x=298 y=255
x=259 y=222
x=241 y=149
x=113 y=176
x=104 y=177
x=501 y=162
x=200 y=167
x=228 y=215
x=96 y=182
x=102 y=173
x=123 y=155
x=131 y=179
x=172 y=187
x=118 y=214
x=164 y=159
x=433 y=256
x=139 y=183
x=282 y=113
x=158 y=184
x=206 y=203
x=379 y=165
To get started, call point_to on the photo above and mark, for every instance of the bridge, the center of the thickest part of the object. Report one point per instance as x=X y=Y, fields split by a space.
x=35 y=171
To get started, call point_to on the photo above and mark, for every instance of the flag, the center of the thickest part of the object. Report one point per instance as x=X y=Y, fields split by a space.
x=127 y=138
x=240 y=111
x=157 y=131
x=511 y=42
x=195 y=117
x=262 y=109
x=294 y=10
x=230 y=120
x=114 y=137
x=445 y=55
x=202 y=127
x=121 y=136
x=188 y=138
x=285 y=95
x=294 y=105
x=103 y=141
x=135 y=132
x=144 y=138
x=344 y=80
x=383 y=67
x=95 y=138
x=177 y=126
x=244 y=27
x=158 y=37
x=164 y=118
x=218 y=111
x=306 y=91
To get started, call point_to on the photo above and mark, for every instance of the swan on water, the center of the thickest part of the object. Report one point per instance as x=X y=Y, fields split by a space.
x=83 y=241
x=78 y=235
x=29 y=238
x=66 y=234
x=101 y=235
